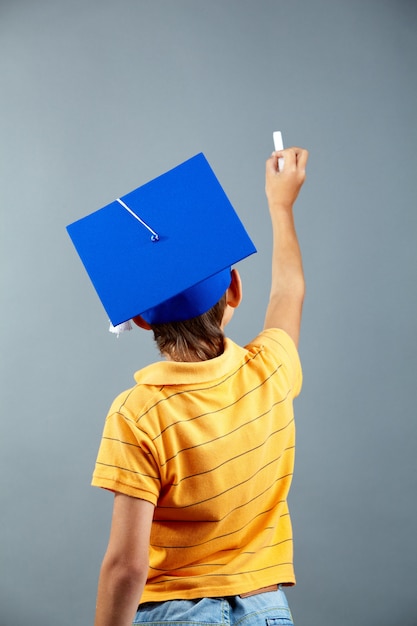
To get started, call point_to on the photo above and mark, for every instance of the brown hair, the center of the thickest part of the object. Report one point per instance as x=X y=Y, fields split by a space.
x=197 y=339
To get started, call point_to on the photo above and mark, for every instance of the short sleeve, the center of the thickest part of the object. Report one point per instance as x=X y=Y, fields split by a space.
x=126 y=459
x=282 y=347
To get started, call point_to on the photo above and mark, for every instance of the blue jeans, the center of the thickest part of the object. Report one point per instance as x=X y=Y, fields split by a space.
x=265 y=609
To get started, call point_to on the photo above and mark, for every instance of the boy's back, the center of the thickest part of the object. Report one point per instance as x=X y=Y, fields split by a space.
x=211 y=445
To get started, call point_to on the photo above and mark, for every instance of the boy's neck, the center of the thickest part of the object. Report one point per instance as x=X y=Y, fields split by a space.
x=190 y=356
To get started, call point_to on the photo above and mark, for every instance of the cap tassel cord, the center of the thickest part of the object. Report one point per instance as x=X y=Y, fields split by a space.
x=155 y=236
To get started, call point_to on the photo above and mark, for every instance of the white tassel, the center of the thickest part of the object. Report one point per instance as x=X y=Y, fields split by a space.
x=120 y=328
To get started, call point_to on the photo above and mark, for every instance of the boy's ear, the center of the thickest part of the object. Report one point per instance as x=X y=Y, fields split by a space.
x=139 y=321
x=234 y=292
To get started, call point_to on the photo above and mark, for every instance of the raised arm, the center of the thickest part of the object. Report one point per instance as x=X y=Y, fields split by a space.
x=287 y=285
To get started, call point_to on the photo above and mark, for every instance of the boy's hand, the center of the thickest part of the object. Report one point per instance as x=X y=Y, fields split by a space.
x=282 y=187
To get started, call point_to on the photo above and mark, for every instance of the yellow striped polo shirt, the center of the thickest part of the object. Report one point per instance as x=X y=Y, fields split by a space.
x=211 y=445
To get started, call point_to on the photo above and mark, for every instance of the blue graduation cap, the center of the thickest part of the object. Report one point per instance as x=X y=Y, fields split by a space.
x=164 y=250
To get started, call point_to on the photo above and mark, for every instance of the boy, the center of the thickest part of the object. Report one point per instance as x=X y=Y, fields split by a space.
x=200 y=453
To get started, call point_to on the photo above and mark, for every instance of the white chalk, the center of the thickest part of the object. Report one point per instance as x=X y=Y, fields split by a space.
x=277 y=136
x=278 y=145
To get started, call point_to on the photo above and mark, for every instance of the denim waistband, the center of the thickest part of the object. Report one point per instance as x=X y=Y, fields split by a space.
x=269 y=606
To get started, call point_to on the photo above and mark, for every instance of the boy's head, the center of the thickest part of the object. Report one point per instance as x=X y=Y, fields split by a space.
x=198 y=338
x=165 y=250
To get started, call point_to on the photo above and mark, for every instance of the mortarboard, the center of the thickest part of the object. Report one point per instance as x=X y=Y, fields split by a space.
x=164 y=250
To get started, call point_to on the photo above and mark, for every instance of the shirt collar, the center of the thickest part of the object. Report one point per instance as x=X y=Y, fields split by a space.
x=181 y=373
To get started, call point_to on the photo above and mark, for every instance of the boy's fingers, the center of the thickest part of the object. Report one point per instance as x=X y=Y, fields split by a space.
x=294 y=157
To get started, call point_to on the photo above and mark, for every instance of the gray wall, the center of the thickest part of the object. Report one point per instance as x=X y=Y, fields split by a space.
x=98 y=97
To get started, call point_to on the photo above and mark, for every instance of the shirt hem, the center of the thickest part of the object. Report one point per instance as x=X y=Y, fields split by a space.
x=119 y=487
x=286 y=579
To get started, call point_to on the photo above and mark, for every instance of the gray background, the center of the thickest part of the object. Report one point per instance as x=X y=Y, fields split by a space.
x=98 y=97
